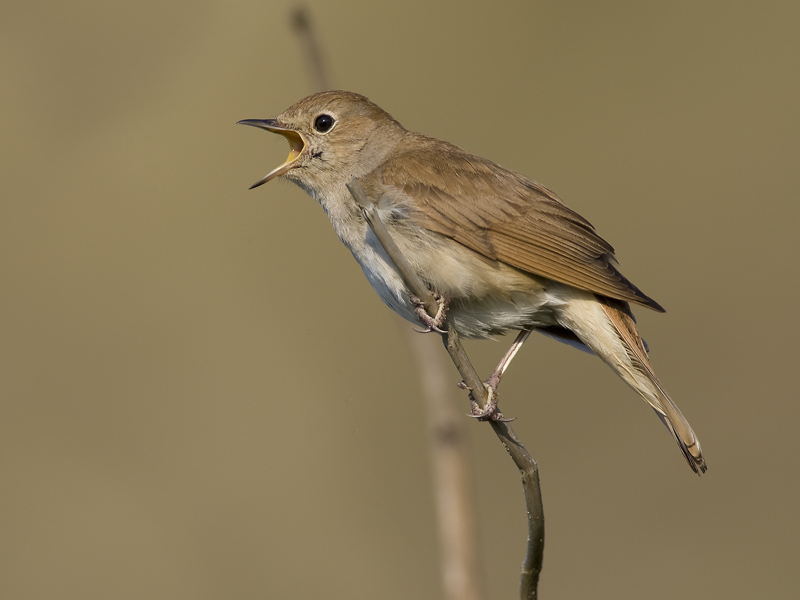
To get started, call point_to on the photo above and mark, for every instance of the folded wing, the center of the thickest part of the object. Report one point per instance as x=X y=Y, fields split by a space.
x=503 y=216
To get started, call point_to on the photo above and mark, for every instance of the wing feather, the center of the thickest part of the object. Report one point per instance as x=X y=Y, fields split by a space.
x=501 y=215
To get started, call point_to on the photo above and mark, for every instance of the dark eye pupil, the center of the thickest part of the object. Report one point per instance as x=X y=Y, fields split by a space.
x=323 y=123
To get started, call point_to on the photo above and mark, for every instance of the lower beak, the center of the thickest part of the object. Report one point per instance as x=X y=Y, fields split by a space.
x=296 y=144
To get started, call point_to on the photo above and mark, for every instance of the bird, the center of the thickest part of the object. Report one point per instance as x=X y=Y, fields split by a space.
x=500 y=251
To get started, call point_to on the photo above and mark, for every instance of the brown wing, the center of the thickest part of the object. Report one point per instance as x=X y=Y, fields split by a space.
x=503 y=216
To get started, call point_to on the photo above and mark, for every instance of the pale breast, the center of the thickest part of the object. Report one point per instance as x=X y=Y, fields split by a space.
x=486 y=297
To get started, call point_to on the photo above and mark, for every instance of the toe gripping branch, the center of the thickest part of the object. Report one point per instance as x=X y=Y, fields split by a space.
x=435 y=323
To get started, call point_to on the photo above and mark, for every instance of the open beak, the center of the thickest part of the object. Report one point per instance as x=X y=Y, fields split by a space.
x=296 y=144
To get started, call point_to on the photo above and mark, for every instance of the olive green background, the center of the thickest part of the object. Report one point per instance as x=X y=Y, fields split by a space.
x=201 y=397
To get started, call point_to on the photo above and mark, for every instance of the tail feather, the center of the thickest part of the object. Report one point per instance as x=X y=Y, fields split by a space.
x=645 y=382
x=607 y=327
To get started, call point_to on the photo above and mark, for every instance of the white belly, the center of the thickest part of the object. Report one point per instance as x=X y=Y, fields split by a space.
x=485 y=297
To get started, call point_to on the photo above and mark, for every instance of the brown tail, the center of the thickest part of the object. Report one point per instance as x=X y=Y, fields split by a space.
x=638 y=373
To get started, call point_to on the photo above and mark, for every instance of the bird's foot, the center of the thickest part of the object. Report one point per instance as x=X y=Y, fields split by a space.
x=489 y=412
x=431 y=323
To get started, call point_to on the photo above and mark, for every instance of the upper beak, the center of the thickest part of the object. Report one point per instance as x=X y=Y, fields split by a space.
x=296 y=144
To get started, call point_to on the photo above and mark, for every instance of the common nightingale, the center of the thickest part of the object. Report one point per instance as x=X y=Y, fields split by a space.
x=501 y=250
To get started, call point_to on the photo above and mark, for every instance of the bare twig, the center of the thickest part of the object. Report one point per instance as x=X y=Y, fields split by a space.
x=529 y=471
x=301 y=23
x=532 y=565
x=379 y=229
x=450 y=468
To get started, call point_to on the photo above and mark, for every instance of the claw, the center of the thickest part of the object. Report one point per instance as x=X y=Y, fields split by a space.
x=430 y=328
x=432 y=323
x=490 y=412
x=495 y=416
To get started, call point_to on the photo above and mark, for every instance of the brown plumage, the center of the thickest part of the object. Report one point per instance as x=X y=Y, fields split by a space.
x=524 y=224
x=501 y=249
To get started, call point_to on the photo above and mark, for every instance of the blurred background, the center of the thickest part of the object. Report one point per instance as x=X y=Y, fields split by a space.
x=201 y=396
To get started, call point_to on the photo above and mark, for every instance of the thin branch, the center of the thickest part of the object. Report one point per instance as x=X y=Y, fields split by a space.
x=532 y=565
x=408 y=274
x=451 y=473
x=301 y=23
x=529 y=471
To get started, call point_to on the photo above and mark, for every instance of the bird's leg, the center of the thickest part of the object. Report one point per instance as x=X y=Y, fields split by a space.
x=431 y=323
x=494 y=379
x=490 y=411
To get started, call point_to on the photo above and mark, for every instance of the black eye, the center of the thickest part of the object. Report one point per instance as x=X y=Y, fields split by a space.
x=323 y=123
